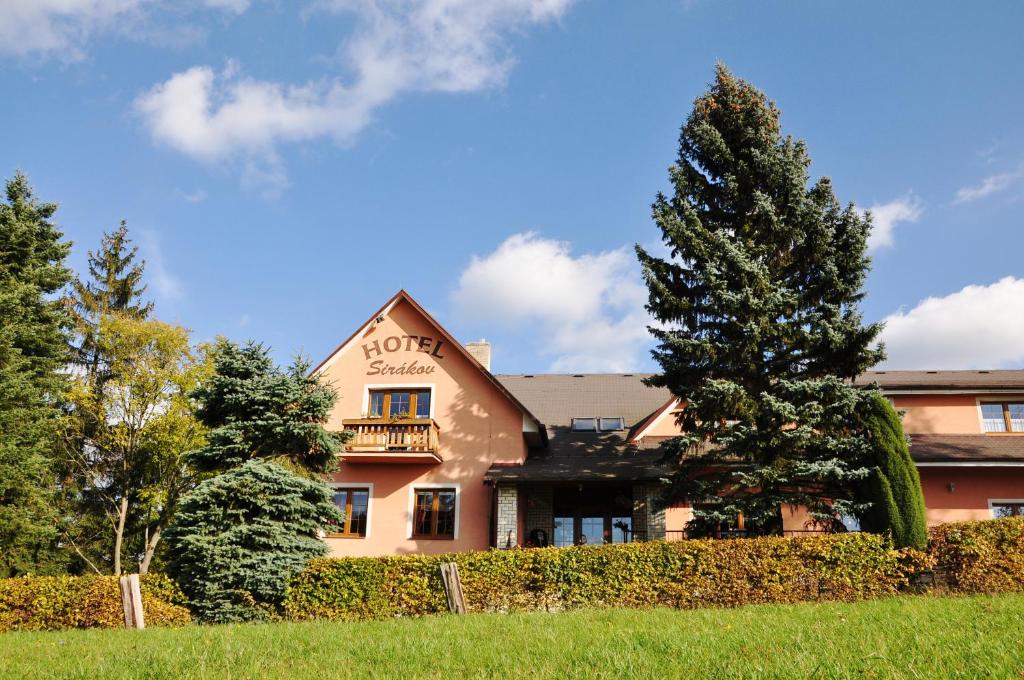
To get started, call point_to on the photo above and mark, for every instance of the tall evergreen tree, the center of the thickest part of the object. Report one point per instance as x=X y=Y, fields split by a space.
x=115 y=287
x=33 y=349
x=760 y=332
x=242 y=534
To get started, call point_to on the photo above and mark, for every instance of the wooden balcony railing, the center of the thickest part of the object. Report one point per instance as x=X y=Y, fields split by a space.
x=400 y=439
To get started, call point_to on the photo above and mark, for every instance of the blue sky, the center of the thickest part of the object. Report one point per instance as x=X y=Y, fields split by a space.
x=287 y=166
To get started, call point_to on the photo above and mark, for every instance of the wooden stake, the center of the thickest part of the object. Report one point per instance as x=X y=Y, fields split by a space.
x=131 y=600
x=453 y=587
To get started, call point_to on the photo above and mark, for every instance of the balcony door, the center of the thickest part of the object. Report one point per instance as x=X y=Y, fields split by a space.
x=399 y=403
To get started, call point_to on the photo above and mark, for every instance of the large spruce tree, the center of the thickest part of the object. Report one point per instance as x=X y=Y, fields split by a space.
x=759 y=330
x=240 y=535
x=33 y=349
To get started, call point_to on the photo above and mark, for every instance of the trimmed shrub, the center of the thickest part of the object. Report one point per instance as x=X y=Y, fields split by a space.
x=688 y=574
x=986 y=556
x=55 y=602
x=894 y=486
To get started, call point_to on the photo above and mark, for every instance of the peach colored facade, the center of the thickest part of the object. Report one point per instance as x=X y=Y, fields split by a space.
x=953 y=491
x=478 y=427
x=959 y=492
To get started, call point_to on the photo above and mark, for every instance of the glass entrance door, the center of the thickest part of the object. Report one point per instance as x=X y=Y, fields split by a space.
x=591 y=530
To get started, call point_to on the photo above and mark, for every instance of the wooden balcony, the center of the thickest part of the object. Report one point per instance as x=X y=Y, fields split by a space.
x=403 y=440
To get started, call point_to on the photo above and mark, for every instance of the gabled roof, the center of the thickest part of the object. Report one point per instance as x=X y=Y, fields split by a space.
x=403 y=296
x=996 y=379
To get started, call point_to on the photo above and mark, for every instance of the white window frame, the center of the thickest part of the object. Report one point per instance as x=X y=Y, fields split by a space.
x=369 y=501
x=996 y=399
x=412 y=387
x=993 y=502
x=411 y=510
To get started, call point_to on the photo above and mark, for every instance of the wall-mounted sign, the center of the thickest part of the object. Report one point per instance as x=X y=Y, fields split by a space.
x=402 y=343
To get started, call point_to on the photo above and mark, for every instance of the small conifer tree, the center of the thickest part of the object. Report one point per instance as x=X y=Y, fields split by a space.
x=894 y=486
x=239 y=536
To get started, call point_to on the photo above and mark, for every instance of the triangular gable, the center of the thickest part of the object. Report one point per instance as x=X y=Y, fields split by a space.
x=652 y=421
x=534 y=425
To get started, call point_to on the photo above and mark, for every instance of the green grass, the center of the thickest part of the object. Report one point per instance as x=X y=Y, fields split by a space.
x=910 y=637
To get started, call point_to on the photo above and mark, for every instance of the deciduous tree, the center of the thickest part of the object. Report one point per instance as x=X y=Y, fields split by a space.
x=132 y=464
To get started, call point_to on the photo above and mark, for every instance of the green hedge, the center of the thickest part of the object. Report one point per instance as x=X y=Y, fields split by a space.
x=986 y=556
x=696 y=573
x=54 y=602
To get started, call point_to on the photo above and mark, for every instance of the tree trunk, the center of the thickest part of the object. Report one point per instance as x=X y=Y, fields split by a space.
x=122 y=518
x=150 y=549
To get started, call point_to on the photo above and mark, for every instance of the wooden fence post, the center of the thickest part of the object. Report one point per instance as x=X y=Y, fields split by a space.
x=131 y=599
x=453 y=587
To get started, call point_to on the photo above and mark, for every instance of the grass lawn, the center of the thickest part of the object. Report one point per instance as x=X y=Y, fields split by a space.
x=911 y=637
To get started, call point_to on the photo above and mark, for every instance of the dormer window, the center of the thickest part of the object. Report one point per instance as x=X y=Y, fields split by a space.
x=611 y=424
x=598 y=424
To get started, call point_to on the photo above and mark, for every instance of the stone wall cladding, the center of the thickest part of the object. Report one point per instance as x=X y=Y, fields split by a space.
x=507 y=516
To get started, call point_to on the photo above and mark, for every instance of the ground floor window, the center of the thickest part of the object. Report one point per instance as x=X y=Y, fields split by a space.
x=565 y=531
x=354 y=503
x=433 y=513
x=592 y=530
x=592 y=515
x=1007 y=508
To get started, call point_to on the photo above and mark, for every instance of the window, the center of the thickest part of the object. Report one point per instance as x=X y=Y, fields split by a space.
x=598 y=424
x=611 y=424
x=1007 y=508
x=354 y=503
x=564 y=531
x=584 y=424
x=399 y=404
x=1002 y=417
x=433 y=513
x=622 y=529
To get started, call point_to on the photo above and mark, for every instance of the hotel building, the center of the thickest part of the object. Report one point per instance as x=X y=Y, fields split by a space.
x=447 y=456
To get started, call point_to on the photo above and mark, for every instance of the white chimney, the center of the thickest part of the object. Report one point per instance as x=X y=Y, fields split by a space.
x=481 y=351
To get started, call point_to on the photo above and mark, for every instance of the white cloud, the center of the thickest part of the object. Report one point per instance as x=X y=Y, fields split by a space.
x=976 y=327
x=168 y=287
x=990 y=185
x=397 y=46
x=586 y=311
x=57 y=26
x=887 y=215
x=62 y=29
x=197 y=196
x=236 y=6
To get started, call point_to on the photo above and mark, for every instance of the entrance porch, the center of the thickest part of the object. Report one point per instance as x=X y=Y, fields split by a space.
x=576 y=513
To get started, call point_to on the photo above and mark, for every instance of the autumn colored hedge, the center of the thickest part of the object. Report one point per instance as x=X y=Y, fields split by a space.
x=688 y=574
x=54 y=602
x=986 y=556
